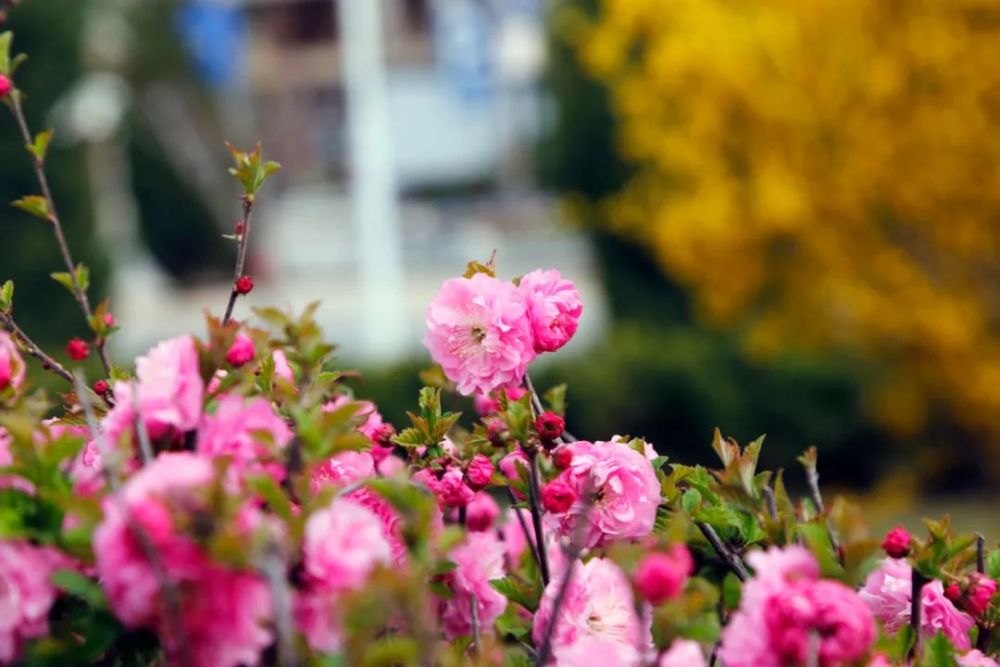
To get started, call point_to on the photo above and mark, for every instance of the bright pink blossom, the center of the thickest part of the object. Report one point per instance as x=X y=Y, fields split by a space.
x=482 y=512
x=248 y=432
x=452 y=491
x=598 y=604
x=660 y=576
x=557 y=496
x=554 y=308
x=976 y=658
x=478 y=331
x=26 y=595
x=784 y=605
x=11 y=363
x=683 y=653
x=343 y=543
x=626 y=489
x=479 y=560
x=479 y=474
x=888 y=592
x=897 y=542
x=170 y=388
x=226 y=619
x=978 y=594
x=242 y=351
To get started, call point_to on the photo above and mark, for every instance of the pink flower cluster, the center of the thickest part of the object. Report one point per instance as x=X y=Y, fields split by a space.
x=484 y=332
x=11 y=363
x=26 y=595
x=784 y=605
x=224 y=613
x=478 y=560
x=623 y=484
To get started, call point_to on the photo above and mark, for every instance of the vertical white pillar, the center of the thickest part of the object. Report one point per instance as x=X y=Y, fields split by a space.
x=373 y=189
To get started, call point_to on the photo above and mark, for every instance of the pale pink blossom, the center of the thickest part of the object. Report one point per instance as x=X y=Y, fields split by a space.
x=626 y=488
x=249 y=433
x=170 y=388
x=554 y=308
x=598 y=604
x=317 y=616
x=515 y=467
x=283 y=369
x=479 y=559
x=7 y=460
x=11 y=363
x=26 y=595
x=481 y=513
x=344 y=469
x=592 y=650
x=513 y=534
x=976 y=658
x=343 y=543
x=888 y=592
x=478 y=330
x=683 y=653
x=784 y=605
x=242 y=351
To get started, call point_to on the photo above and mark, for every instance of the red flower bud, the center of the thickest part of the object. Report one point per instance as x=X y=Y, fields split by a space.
x=661 y=576
x=101 y=387
x=5 y=86
x=953 y=592
x=241 y=352
x=239 y=228
x=897 y=543
x=479 y=472
x=557 y=496
x=244 y=285
x=562 y=458
x=979 y=594
x=109 y=320
x=77 y=349
x=549 y=426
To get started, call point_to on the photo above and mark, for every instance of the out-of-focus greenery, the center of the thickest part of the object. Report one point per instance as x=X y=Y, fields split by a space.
x=825 y=174
x=50 y=32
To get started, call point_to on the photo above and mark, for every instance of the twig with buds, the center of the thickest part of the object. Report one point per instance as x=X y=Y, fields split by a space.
x=29 y=346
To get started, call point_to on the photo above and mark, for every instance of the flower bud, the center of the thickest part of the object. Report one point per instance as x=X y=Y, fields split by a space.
x=978 y=594
x=101 y=387
x=660 y=576
x=557 y=496
x=5 y=86
x=897 y=543
x=953 y=593
x=479 y=473
x=109 y=320
x=497 y=432
x=549 y=426
x=77 y=349
x=562 y=458
x=241 y=352
x=239 y=228
x=244 y=285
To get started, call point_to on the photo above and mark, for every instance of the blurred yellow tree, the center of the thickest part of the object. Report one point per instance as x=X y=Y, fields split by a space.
x=823 y=172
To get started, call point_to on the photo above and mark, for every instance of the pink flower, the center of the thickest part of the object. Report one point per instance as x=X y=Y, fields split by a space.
x=554 y=308
x=513 y=533
x=975 y=658
x=481 y=513
x=660 y=576
x=479 y=559
x=626 y=488
x=480 y=472
x=11 y=363
x=592 y=650
x=683 y=653
x=785 y=604
x=557 y=496
x=598 y=604
x=248 y=432
x=282 y=369
x=226 y=619
x=371 y=425
x=317 y=616
x=343 y=543
x=515 y=467
x=170 y=386
x=343 y=469
x=478 y=331
x=241 y=352
x=26 y=596
x=452 y=491
x=486 y=404
x=897 y=542
x=888 y=590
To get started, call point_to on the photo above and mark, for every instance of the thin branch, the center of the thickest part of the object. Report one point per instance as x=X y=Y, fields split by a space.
x=474 y=608
x=145 y=447
x=980 y=553
x=917 y=582
x=524 y=529
x=536 y=402
x=733 y=561
x=241 y=256
x=43 y=183
x=812 y=479
x=534 y=494
x=171 y=598
x=29 y=346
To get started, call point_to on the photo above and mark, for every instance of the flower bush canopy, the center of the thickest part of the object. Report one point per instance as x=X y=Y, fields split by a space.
x=232 y=502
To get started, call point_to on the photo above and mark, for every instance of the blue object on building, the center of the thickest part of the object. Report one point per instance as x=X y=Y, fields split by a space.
x=463 y=47
x=214 y=32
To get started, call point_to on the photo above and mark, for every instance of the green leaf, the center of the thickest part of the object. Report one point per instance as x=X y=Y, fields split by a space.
x=35 y=205
x=555 y=398
x=5 y=41
x=938 y=652
x=81 y=586
x=993 y=564
x=40 y=146
x=64 y=279
x=7 y=297
x=392 y=651
x=818 y=540
x=518 y=591
x=691 y=500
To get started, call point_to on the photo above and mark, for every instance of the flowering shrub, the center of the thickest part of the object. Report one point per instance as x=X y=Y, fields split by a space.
x=232 y=502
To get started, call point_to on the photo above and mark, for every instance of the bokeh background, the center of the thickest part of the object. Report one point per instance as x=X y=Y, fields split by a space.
x=784 y=216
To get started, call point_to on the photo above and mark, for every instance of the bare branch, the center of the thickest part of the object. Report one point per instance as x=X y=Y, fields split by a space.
x=734 y=562
x=29 y=346
x=241 y=256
